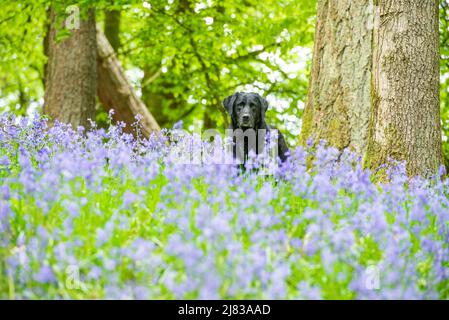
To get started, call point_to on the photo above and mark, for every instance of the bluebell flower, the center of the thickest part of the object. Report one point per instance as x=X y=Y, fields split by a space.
x=45 y=275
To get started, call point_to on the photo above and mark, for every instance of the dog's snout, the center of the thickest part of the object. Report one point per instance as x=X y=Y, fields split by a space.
x=245 y=118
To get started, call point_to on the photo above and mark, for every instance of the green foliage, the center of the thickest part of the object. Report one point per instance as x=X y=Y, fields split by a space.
x=196 y=52
x=202 y=53
x=22 y=56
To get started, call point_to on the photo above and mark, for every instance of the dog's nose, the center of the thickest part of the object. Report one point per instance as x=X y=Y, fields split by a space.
x=245 y=118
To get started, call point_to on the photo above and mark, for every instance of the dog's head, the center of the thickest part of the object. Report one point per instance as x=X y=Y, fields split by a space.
x=247 y=110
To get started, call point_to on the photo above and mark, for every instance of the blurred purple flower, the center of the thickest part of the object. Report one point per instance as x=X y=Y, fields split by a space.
x=45 y=275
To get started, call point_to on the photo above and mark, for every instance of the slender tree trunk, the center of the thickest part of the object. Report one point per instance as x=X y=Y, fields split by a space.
x=70 y=89
x=112 y=28
x=338 y=103
x=208 y=123
x=24 y=100
x=405 y=123
x=156 y=102
x=115 y=92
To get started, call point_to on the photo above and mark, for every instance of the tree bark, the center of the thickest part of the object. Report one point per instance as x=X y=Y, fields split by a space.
x=375 y=82
x=115 y=92
x=338 y=103
x=405 y=123
x=70 y=88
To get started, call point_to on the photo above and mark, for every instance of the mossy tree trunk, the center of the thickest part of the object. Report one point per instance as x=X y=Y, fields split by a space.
x=405 y=123
x=338 y=103
x=70 y=88
x=375 y=81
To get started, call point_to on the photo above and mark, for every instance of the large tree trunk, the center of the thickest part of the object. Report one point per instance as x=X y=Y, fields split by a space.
x=338 y=102
x=405 y=121
x=115 y=92
x=375 y=86
x=70 y=88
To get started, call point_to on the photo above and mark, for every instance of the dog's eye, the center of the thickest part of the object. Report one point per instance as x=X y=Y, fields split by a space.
x=253 y=106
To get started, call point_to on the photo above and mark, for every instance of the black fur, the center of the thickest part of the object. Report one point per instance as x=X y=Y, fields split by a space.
x=247 y=111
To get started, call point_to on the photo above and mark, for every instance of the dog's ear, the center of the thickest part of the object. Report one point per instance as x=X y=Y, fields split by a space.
x=228 y=103
x=263 y=107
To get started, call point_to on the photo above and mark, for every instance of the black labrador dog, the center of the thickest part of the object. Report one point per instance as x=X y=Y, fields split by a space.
x=247 y=111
